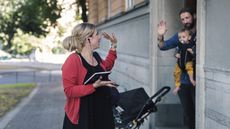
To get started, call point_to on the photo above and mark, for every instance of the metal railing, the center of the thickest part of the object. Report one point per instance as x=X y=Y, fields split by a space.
x=27 y=76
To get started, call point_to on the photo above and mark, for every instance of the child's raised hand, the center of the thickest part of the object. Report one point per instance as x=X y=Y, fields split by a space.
x=176 y=90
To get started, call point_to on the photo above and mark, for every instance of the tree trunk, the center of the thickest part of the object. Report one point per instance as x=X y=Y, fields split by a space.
x=9 y=41
x=84 y=10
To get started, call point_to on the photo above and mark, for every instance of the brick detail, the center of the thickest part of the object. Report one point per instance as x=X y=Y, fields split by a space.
x=99 y=10
x=93 y=11
x=117 y=6
x=102 y=10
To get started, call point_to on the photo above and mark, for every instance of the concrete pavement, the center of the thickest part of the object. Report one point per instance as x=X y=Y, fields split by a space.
x=45 y=109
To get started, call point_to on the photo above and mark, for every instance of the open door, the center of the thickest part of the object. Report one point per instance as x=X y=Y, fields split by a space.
x=191 y=4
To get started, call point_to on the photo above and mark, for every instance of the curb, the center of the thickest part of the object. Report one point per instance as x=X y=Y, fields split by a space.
x=10 y=115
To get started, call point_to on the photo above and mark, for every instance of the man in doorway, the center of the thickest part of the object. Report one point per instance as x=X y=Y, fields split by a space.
x=186 y=92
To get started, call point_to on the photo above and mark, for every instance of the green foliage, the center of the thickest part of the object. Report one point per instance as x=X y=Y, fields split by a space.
x=61 y=31
x=17 y=85
x=9 y=20
x=30 y=16
x=58 y=50
x=38 y=15
x=23 y=44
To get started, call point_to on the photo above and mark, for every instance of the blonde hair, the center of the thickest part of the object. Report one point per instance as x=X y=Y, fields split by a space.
x=79 y=34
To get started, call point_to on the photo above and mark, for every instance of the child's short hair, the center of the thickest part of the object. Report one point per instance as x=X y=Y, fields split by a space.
x=185 y=30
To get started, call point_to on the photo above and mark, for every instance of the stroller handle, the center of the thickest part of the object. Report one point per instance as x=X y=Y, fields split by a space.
x=150 y=104
x=149 y=107
x=160 y=93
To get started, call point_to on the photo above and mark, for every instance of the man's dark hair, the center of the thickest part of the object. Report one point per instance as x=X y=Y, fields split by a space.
x=188 y=10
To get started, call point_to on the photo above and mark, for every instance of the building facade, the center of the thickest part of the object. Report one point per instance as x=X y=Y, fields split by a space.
x=141 y=64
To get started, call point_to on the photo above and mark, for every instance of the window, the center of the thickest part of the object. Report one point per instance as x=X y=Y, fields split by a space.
x=129 y=4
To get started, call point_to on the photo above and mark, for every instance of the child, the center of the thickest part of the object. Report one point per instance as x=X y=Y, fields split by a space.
x=185 y=56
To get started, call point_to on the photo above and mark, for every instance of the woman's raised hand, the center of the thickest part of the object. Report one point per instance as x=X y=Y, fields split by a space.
x=112 y=38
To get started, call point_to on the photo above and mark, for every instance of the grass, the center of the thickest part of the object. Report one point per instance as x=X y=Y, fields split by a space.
x=11 y=94
x=7 y=67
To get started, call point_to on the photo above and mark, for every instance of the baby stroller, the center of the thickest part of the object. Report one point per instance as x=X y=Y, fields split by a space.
x=134 y=106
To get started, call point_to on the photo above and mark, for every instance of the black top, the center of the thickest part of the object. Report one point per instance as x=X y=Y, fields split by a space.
x=96 y=108
x=185 y=56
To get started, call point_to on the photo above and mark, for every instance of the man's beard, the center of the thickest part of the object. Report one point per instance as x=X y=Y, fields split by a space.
x=189 y=26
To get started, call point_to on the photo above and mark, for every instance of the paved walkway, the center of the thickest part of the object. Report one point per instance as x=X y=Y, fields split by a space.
x=43 y=109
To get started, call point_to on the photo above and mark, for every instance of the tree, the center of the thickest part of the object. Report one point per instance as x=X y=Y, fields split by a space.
x=82 y=5
x=9 y=20
x=38 y=15
x=31 y=16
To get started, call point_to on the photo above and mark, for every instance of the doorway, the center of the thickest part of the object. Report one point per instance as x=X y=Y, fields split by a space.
x=191 y=4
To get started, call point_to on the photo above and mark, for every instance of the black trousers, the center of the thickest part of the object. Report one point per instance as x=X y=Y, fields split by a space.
x=67 y=124
x=187 y=98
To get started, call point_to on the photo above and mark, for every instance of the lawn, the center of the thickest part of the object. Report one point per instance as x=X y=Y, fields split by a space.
x=7 y=67
x=11 y=94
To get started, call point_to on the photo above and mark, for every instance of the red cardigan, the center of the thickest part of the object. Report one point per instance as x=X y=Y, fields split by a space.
x=73 y=75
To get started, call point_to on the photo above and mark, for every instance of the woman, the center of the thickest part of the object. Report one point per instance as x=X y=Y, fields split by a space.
x=87 y=106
